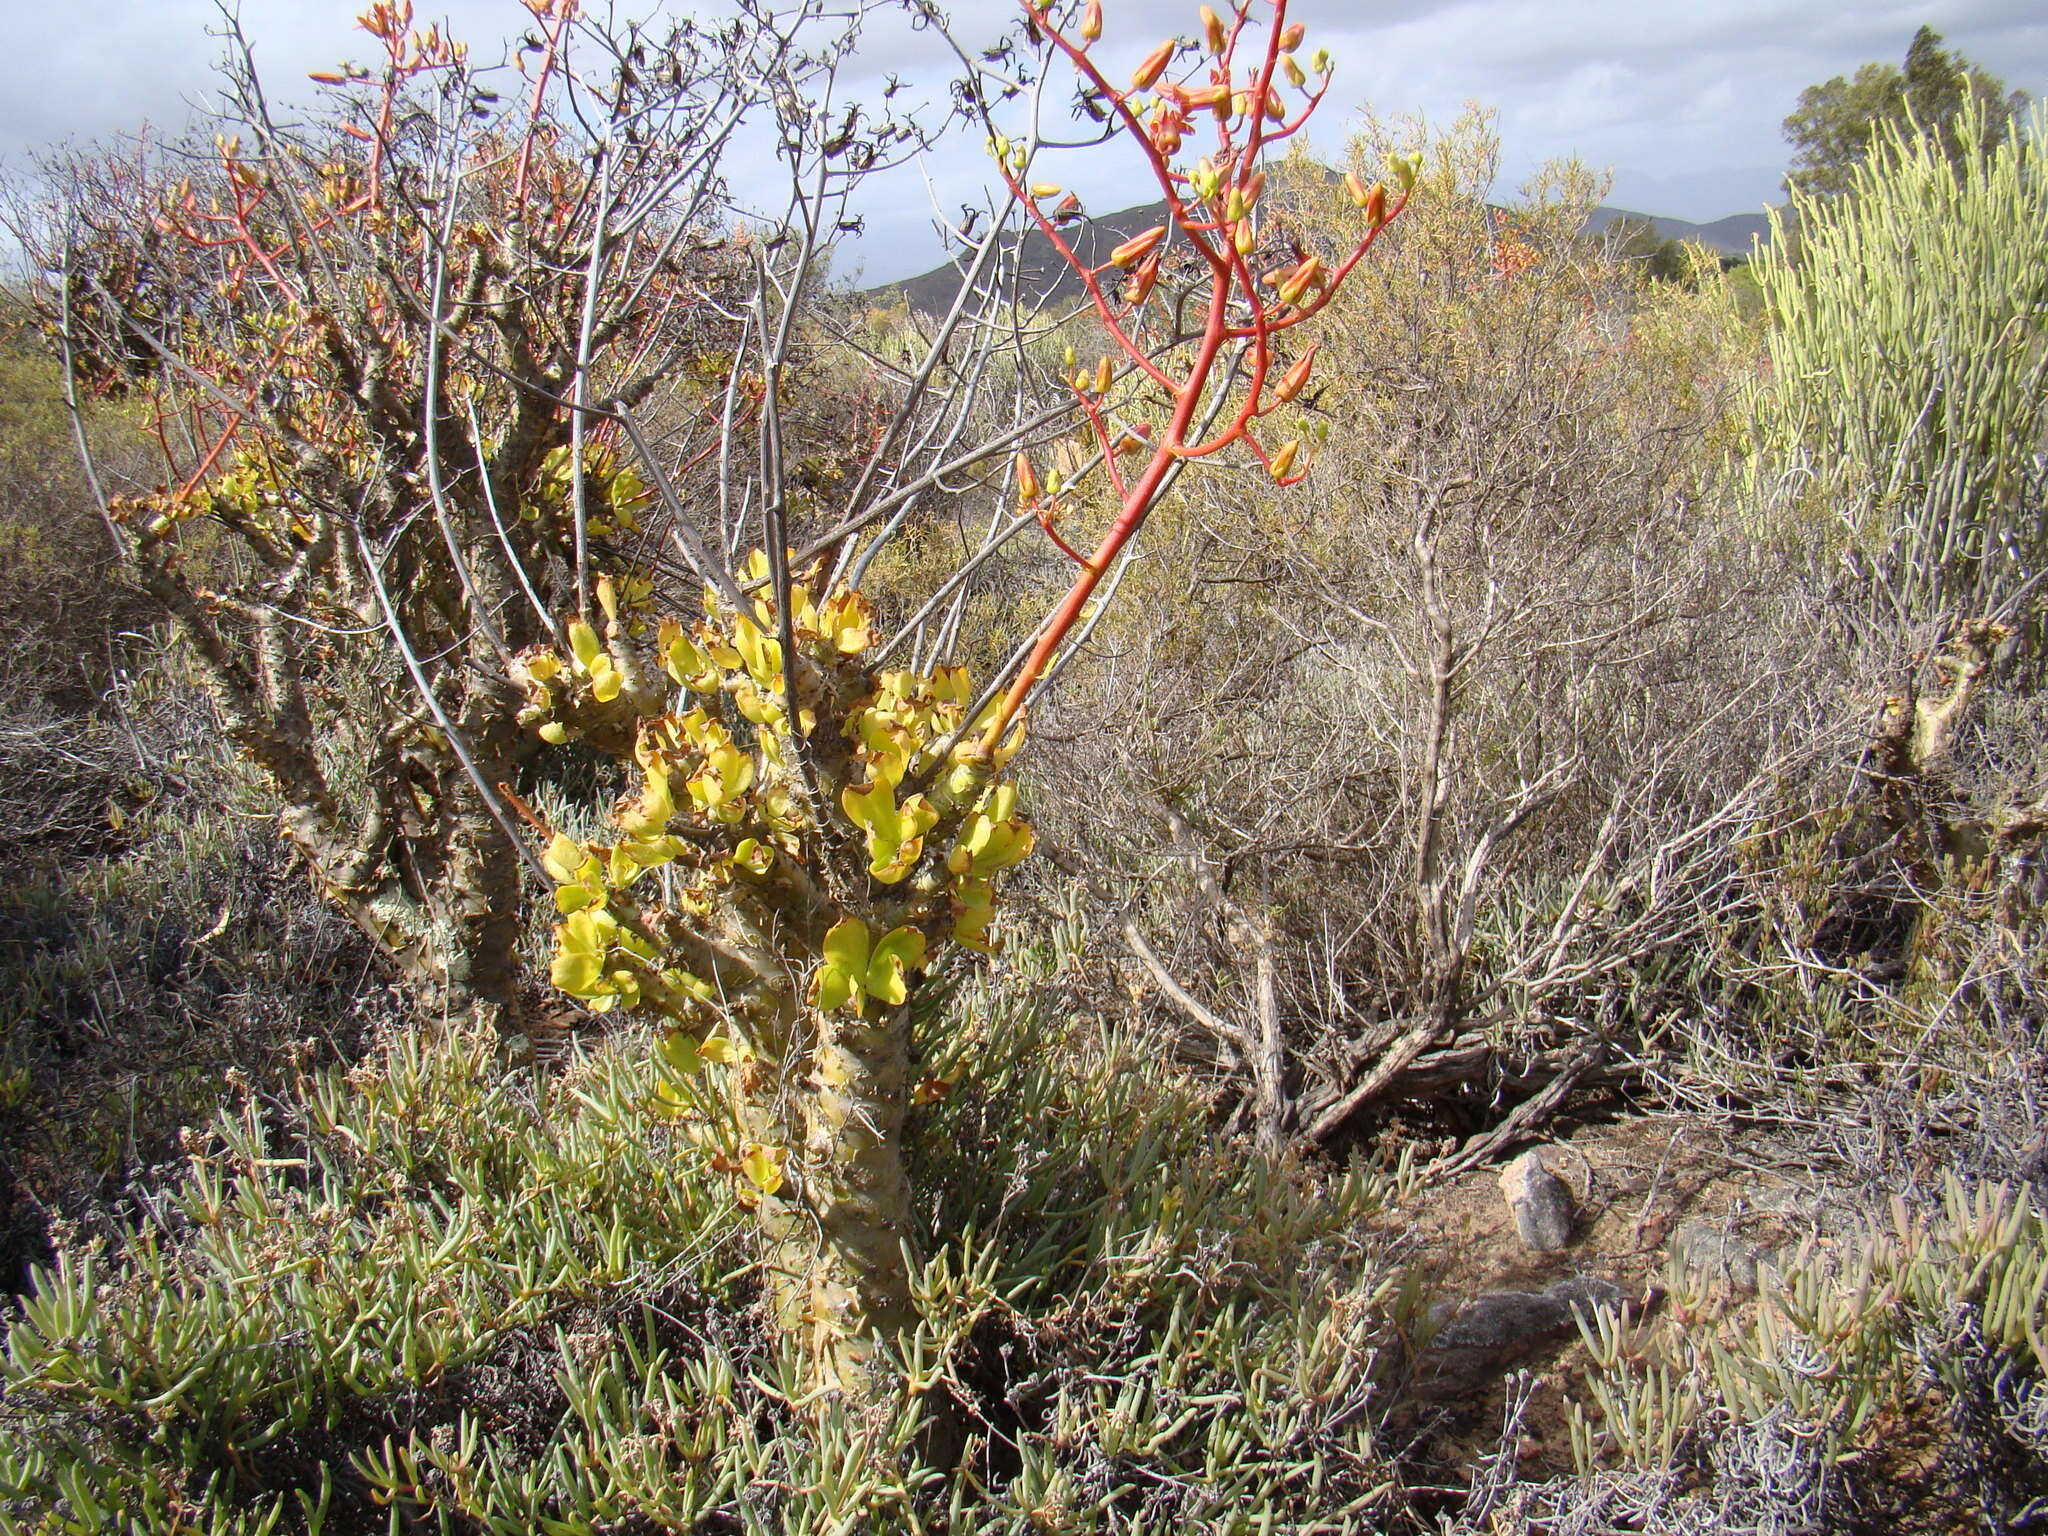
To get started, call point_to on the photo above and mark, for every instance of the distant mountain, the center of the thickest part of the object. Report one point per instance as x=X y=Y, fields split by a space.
x=1042 y=270
x=1044 y=273
x=1732 y=236
x=1736 y=186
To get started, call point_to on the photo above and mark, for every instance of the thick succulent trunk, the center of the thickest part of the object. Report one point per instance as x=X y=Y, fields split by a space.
x=838 y=1231
x=412 y=855
x=485 y=895
x=455 y=945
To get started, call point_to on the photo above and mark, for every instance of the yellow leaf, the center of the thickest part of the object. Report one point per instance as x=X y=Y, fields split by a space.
x=590 y=931
x=681 y=1053
x=667 y=1103
x=763 y=1166
x=564 y=859
x=681 y=659
x=950 y=685
x=763 y=656
x=579 y=975
x=902 y=950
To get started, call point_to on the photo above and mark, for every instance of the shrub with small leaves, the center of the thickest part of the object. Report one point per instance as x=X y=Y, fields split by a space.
x=429 y=1297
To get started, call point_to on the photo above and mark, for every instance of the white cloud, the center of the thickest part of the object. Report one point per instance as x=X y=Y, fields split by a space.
x=1684 y=99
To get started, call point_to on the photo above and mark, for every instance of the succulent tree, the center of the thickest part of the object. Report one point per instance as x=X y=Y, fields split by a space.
x=812 y=829
x=360 y=339
x=465 y=395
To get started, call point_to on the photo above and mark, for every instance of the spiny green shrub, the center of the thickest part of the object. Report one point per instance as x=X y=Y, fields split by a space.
x=429 y=1297
x=1908 y=394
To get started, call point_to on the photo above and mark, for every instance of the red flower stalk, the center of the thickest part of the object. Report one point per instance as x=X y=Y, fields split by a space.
x=1210 y=211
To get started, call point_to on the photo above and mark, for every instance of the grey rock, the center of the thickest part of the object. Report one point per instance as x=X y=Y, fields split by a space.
x=1507 y=1320
x=1539 y=1201
x=1821 y=1214
x=1476 y=1342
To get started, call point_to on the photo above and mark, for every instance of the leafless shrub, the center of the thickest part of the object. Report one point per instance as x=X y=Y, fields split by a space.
x=1430 y=775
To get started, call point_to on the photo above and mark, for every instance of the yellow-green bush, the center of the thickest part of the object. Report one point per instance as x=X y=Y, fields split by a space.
x=1907 y=409
x=1938 y=1318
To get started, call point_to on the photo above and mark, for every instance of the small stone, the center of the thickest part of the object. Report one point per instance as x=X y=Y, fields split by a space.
x=1582 y=1293
x=1539 y=1202
x=1507 y=1320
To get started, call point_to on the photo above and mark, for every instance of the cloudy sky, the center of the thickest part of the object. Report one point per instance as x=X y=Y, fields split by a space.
x=1682 y=101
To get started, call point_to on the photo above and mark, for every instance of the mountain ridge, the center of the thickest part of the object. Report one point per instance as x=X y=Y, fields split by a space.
x=1045 y=274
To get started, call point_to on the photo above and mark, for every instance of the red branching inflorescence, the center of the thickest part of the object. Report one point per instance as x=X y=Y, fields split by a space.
x=1241 y=85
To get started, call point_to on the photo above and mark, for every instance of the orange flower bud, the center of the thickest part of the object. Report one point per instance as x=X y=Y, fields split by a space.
x=1301 y=280
x=1376 y=203
x=1254 y=188
x=1133 y=440
x=1153 y=67
x=1139 y=288
x=1275 y=109
x=1200 y=96
x=1283 y=461
x=1138 y=247
x=1027 y=480
x=1291 y=36
x=1356 y=188
x=1045 y=189
x=1212 y=29
x=1091 y=20
x=1105 y=375
x=1296 y=377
